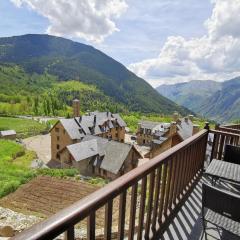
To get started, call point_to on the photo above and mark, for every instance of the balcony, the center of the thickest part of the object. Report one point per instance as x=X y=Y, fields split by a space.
x=158 y=200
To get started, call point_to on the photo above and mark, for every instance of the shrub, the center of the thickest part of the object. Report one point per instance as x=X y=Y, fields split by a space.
x=70 y=172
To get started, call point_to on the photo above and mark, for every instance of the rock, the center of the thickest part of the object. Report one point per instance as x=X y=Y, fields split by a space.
x=6 y=231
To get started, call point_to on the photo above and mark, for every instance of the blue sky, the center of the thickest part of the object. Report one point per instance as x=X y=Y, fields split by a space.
x=143 y=27
x=156 y=39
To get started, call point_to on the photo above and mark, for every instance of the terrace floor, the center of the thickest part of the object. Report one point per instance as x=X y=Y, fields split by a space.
x=187 y=225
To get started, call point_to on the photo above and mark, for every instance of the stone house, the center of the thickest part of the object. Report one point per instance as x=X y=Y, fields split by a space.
x=148 y=131
x=177 y=132
x=97 y=156
x=69 y=131
x=8 y=135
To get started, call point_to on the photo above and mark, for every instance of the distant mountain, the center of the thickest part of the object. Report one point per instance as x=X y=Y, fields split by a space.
x=190 y=94
x=214 y=100
x=223 y=105
x=68 y=60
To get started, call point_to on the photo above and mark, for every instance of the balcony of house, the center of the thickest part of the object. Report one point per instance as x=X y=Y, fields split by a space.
x=163 y=199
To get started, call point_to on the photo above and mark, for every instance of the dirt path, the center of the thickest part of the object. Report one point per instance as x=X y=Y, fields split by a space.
x=41 y=144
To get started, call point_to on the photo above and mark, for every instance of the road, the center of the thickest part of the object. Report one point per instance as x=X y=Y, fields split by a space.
x=41 y=144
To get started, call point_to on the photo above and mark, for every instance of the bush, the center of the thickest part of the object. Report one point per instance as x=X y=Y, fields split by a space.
x=98 y=181
x=69 y=172
x=9 y=187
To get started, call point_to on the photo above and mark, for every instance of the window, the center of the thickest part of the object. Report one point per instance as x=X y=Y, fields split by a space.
x=58 y=138
x=116 y=135
x=56 y=129
x=58 y=156
x=58 y=146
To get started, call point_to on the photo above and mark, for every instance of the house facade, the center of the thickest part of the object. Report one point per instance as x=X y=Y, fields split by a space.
x=97 y=156
x=70 y=131
x=178 y=131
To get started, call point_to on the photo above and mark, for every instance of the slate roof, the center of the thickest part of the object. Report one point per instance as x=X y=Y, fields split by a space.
x=7 y=133
x=185 y=128
x=91 y=124
x=160 y=140
x=157 y=128
x=113 y=153
x=71 y=128
x=83 y=150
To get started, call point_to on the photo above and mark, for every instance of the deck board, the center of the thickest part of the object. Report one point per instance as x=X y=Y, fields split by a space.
x=187 y=225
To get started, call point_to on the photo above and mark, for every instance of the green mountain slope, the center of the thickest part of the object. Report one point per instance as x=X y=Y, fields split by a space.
x=190 y=94
x=68 y=60
x=24 y=93
x=213 y=100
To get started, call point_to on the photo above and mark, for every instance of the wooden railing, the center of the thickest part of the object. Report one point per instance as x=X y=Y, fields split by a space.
x=233 y=128
x=155 y=191
x=218 y=141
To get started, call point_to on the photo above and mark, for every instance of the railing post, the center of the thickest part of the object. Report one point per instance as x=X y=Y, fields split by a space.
x=69 y=234
x=206 y=126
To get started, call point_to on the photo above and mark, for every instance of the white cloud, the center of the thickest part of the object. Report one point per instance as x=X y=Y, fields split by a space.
x=92 y=20
x=213 y=56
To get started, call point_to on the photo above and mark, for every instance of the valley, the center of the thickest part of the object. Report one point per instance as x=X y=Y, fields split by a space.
x=219 y=101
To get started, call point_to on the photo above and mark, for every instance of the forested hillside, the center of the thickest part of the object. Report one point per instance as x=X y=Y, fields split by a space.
x=67 y=60
x=23 y=93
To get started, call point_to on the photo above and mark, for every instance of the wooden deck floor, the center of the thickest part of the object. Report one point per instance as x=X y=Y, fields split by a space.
x=187 y=225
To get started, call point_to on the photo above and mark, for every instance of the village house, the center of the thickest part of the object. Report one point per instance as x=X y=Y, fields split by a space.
x=97 y=156
x=148 y=131
x=165 y=136
x=8 y=135
x=69 y=131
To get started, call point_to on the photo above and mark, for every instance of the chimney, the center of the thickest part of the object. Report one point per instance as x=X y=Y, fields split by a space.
x=195 y=129
x=76 y=108
x=191 y=117
x=94 y=120
x=175 y=116
x=173 y=128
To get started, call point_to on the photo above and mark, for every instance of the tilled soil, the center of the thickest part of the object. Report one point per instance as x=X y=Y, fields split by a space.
x=44 y=196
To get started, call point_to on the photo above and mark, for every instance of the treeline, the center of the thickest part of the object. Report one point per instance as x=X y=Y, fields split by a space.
x=44 y=95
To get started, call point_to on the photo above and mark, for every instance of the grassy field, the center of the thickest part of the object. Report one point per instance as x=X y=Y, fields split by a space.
x=15 y=169
x=23 y=127
x=14 y=166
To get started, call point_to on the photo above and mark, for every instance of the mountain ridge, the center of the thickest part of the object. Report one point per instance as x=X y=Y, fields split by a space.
x=218 y=101
x=68 y=60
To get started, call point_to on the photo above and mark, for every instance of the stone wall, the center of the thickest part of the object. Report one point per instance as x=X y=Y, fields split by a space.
x=59 y=140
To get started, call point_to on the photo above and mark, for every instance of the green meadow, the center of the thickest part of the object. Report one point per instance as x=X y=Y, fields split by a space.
x=23 y=127
x=14 y=166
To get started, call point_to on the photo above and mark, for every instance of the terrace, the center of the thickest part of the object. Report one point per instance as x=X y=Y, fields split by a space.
x=158 y=200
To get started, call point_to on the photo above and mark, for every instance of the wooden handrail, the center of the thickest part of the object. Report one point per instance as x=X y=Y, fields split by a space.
x=233 y=126
x=228 y=129
x=220 y=140
x=179 y=166
x=224 y=133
